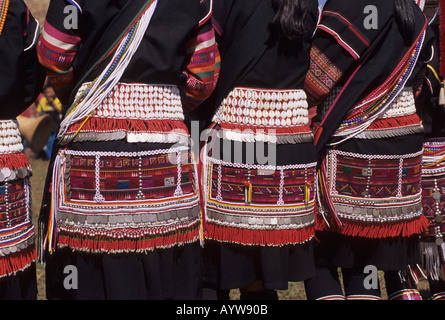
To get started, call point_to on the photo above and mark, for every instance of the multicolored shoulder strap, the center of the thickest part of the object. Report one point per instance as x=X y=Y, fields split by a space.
x=124 y=48
x=364 y=113
x=353 y=121
x=4 y=5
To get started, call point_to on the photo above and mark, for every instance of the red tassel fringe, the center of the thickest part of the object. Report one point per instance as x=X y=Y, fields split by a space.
x=99 y=243
x=17 y=261
x=13 y=161
x=259 y=237
x=268 y=129
x=95 y=124
x=382 y=230
x=387 y=123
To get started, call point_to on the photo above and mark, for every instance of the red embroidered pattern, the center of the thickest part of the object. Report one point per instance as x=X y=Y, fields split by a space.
x=267 y=207
x=17 y=249
x=323 y=75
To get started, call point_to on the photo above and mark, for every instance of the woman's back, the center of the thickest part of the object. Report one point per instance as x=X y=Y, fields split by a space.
x=280 y=63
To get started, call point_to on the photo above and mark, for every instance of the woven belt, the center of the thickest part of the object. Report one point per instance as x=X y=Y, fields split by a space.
x=136 y=113
x=279 y=108
x=141 y=101
x=10 y=137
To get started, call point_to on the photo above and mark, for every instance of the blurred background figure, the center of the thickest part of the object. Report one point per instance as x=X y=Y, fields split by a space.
x=50 y=105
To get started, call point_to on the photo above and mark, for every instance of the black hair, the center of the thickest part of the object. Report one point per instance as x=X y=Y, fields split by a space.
x=290 y=17
x=405 y=18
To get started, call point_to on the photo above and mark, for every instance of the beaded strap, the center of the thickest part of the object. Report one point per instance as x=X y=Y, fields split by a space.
x=374 y=106
x=124 y=154
x=376 y=156
x=4 y=5
x=261 y=166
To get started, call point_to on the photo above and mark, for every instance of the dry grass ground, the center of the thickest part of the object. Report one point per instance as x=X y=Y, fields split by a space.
x=295 y=291
x=39 y=168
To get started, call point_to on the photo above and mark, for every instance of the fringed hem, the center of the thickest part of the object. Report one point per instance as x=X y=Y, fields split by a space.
x=18 y=261
x=378 y=230
x=273 y=238
x=14 y=161
x=96 y=125
x=144 y=243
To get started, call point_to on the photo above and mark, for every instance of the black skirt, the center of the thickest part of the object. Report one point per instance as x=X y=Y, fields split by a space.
x=20 y=286
x=162 y=274
x=390 y=254
x=231 y=266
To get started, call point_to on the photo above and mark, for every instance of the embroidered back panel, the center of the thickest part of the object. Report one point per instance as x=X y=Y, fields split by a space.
x=377 y=178
x=265 y=185
x=433 y=196
x=375 y=187
x=433 y=189
x=123 y=178
x=374 y=196
x=260 y=205
x=112 y=202
x=17 y=235
x=13 y=204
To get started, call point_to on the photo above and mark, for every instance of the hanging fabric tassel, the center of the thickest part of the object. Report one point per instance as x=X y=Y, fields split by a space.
x=51 y=235
x=324 y=188
x=307 y=193
x=442 y=94
x=248 y=192
x=431 y=260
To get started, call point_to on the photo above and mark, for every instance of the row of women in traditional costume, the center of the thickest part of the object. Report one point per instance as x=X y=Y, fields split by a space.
x=264 y=195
